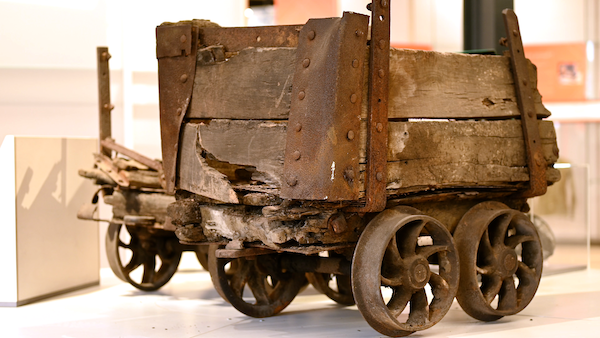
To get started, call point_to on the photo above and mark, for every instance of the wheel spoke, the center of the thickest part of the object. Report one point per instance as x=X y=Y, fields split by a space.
x=485 y=246
x=392 y=258
x=485 y=270
x=499 y=232
x=526 y=275
x=134 y=263
x=439 y=286
x=239 y=277
x=418 y=309
x=149 y=269
x=400 y=299
x=426 y=251
x=515 y=240
x=490 y=288
x=508 y=295
x=257 y=283
x=410 y=234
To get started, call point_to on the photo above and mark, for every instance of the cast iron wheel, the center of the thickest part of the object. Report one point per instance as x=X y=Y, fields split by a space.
x=337 y=287
x=495 y=281
x=202 y=255
x=395 y=254
x=269 y=288
x=154 y=255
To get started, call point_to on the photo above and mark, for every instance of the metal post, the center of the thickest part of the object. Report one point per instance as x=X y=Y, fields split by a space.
x=104 y=105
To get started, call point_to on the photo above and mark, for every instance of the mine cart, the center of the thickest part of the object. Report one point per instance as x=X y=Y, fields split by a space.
x=141 y=245
x=318 y=153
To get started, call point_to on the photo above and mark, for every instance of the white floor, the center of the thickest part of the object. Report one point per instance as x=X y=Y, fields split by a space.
x=566 y=305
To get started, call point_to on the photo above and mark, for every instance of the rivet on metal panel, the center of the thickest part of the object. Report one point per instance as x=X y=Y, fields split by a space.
x=297 y=155
x=351 y=135
x=292 y=181
x=381 y=73
x=311 y=35
x=379 y=176
x=301 y=95
x=179 y=111
x=175 y=145
x=306 y=63
x=109 y=106
x=355 y=63
x=382 y=44
x=384 y=3
x=524 y=82
x=183 y=78
x=353 y=98
x=183 y=39
x=530 y=113
x=298 y=127
x=515 y=33
x=379 y=127
x=359 y=33
x=105 y=56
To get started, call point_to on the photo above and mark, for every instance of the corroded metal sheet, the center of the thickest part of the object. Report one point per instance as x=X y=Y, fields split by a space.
x=176 y=47
x=524 y=91
x=321 y=156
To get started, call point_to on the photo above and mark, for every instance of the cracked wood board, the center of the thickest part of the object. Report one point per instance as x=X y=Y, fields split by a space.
x=257 y=84
x=421 y=155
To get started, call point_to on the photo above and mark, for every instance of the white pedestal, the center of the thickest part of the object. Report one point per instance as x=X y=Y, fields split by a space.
x=44 y=249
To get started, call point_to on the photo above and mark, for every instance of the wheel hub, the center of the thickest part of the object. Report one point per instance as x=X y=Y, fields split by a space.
x=509 y=262
x=419 y=273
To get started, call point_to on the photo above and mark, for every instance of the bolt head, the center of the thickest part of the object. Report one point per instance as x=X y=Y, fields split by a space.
x=292 y=181
x=301 y=95
x=355 y=63
x=384 y=3
x=298 y=127
x=296 y=155
x=183 y=78
x=350 y=135
x=359 y=33
x=381 y=73
x=515 y=33
x=379 y=176
x=382 y=44
x=183 y=39
x=179 y=111
x=311 y=35
x=306 y=63
x=379 y=127
x=353 y=98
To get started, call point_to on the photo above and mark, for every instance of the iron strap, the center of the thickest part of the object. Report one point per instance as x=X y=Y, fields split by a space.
x=322 y=146
x=176 y=47
x=529 y=122
x=377 y=122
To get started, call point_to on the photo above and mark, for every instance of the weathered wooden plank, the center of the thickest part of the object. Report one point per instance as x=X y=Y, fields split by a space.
x=422 y=154
x=256 y=84
x=195 y=175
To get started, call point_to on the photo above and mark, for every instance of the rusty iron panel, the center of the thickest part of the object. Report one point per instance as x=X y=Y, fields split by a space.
x=321 y=155
x=377 y=121
x=523 y=88
x=234 y=39
x=104 y=105
x=176 y=73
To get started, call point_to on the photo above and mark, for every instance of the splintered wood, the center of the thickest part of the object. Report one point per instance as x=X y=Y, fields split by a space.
x=233 y=142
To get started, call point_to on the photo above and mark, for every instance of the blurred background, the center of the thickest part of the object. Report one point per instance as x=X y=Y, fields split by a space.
x=48 y=83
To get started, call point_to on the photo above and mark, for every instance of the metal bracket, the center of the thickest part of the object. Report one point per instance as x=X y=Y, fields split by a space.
x=529 y=122
x=377 y=123
x=322 y=150
x=176 y=46
x=104 y=105
x=105 y=164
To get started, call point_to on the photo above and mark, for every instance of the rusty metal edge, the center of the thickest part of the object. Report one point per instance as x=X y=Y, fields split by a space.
x=531 y=135
x=234 y=39
x=377 y=122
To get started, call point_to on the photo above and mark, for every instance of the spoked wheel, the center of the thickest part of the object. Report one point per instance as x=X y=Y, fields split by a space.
x=495 y=281
x=394 y=268
x=337 y=287
x=144 y=259
x=202 y=255
x=256 y=286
